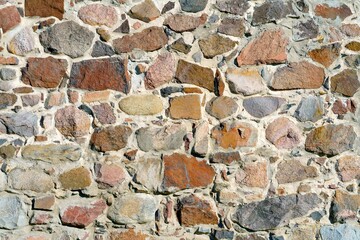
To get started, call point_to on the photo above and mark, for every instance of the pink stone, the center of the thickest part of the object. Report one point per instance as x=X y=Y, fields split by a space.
x=161 y=72
x=283 y=133
x=9 y=18
x=71 y=121
x=98 y=14
x=109 y=174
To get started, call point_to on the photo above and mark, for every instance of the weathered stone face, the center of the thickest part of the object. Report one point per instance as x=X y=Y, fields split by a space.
x=44 y=8
x=13 y=212
x=53 y=153
x=111 y=138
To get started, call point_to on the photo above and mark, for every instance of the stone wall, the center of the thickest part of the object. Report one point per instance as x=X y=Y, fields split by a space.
x=180 y=119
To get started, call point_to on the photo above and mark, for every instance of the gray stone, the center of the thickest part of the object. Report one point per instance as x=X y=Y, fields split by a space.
x=22 y=43
x=7 y=74
x=30 y=100
x=148 y=173
x=68 y=38
x=169 y=137
x=262 y=106
x=133 y=208
x=201 y=136
x=272 y=10
x=237 y=7
x=12 y=214
x=3 y=181
x=223 y=234
x=352 y=61
x=193 y=5
x=273 y=212
x=124 y=27
x=340 y=232
x=306 y=29
x=310 y=109
x=293 y=171
x=31 y=179
x=167 y=91
x=101 y=49
x=22 y=123
x=54 y=153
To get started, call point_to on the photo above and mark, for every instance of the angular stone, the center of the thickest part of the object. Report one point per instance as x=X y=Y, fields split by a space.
x=267 y=48
x=7 y=74
x=72 y=122
x=169 y=137
x=326 y=55
x=245 y=81
x=341 y=231
x=124 y=27
x=68 y=38
x=303 y=75
x=44 y=8
x=346 y=82
x=149 y=173
x=183 y=22
x=145 y=11
x=112 y=138
x=101 y=74
x=40 y=218
x=216 y=45
x=272 y=10
x=180 y=46
x=81 y=213
x=44 y=203
x=104 y=113
x=9 y=18
x=222 y=107
x=101 y=49
x=98 y=14
x=75 y=179
x=7 y=100
x=150 y=39
x=253 y=175
x=161 y=71
x=310 y=108
x=236 y=7
x=306 y=29
x=13 y=213
x=350 y=30
x=330 y=139
x=235 y=134
x=344 y=206
x=348 y=168
x=21 y=123
x=53 y=153
x=133 y=208
x=262 y=106
x=31 y=179
x=109 y=174
x=293 y=171
x=328 y=11
x=196 y=211
x=141 y=105
x=44 y=72
x=274 y=212
x=54 y=99
x=22 y=43
x=232 y=26
x=184 y=172
x=226 y=158
x=283 y=133
x=201 y=137
x=130 y=234
x=185 y=107
x=193 y=5
x=167 y=7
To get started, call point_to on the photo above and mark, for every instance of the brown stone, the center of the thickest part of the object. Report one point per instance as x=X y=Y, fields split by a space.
x=180 y=46
x=222 y=107
x=215 y=44
x=101 y=74
x=253 y=175
x=98 y=14
x=232 y=26
x=349 y=168
x=346 y=82
x=327 y=11
x=145 y=11
x=267 y=48
x=9 y=18
x=350 y=30
x=55 y=99
x=44 y=8
x=339 y=107
x=298 y=75
x=185 y=107
x=44 y=72
x=195 y=211
x=283 y=133
x=7 y=99
x=235 y=134
x=75 y=179
x=104 y=113
x=161 y=71
x=130 y=234
x=23 y=90
x=184 y=172
x=293 y=171
x=150 y=39
x=353 y=46
x=184 y=22
x=326 y=55
x=72 y=122
x=44 y=203
x=97 y=96
x=111 y=138
x=344 y=206
x=225 y=157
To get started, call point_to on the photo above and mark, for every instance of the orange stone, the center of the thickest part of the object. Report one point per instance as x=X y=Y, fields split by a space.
x=96 y=96
x=185 y=107
x=326 y=55
x=128 y=235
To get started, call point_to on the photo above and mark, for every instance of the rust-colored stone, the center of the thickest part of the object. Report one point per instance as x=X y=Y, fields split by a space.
x=326 y=55
x=185 y=107
x=130 y=234
x=327 y=11
x=9 y=18
x=111 y=138
x=44 y=8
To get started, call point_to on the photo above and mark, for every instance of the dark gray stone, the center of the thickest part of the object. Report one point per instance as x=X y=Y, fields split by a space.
x=12 y=214
x=237 y=7
x=193 y=5
x=310 y=109
x=223 y=234
x=167 y=91
x=303 y=30
x=101 y=49
x=262 y=106
x=124 y=27
x=22 y=123
x=272 y=10
x=167 y=7
x=273 y=212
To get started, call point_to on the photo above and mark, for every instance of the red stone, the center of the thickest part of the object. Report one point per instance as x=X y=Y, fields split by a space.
x=326 y=11
x=9 y=18
x=44 y=8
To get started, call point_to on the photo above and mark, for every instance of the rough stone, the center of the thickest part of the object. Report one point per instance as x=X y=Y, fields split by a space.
x=72 y=122
x=267 y=48
x=112 y=138
x=352 y=61
x=145 y=11
x=167 y=7
x=215 y=44
x=21 y=123
x=13 y=214
x=7 y=100
x=180 y=46
x=273 y=212
x=326 y=55
x=330 y=139
x=346 y=82
x=310 y=108
x=124 y=27
x=344 y=206
x=68 y=38
x=44 y=72
x=283 y=133
x=9 y=60
x=226 y=158
x=75 y=179
x=245 y=81
x=44 y=8
x=31 y=179
x=235 y=134
x=236 y=7
x=328 y=11
x=7 y=151
x=232 y=26
x=53 y=153
x=272 y=10
x=196 y=211
x=9 y=18
x=169 y=137
x=101 y=49
x=201 y=137
x=262 y=106
x=193 y=5
x=298 y=75
x=22 y=43
x=253 y=175
x=348 y=167
x=148 y=173
x=222 y=107
x=104 y=113
x=183 y=22
x=54 y=99
x=128 y=235
x=133 y=208
x=40 y=218
x=7 y=74
x=185 y=107
x=341 y=231
x=109 y=174
x=46 y=202
x=150 y=39
x=98 y=14
x=306 y=29
x=161 y=71
x=293 y=171
x=184 y=172
x=353 y=46
x=141 y=105
x=350 y=30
